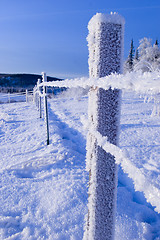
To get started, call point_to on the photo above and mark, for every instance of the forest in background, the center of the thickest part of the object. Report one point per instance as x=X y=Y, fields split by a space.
x=19 y=82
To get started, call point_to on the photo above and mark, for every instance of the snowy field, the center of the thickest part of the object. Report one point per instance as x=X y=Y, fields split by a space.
x=43 y=189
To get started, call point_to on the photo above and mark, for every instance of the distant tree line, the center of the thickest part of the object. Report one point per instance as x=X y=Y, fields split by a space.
x=146 y=57
x=19 y=82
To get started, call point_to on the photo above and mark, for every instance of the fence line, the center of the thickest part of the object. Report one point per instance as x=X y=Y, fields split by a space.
x=151 y=192
x=114 y=150
x=39 y=94
x=12 y=97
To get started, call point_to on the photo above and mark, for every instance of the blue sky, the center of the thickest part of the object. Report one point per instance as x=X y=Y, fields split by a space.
x=50 y=35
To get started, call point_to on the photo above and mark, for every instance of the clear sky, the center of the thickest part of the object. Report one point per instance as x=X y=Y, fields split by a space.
x=50 y=35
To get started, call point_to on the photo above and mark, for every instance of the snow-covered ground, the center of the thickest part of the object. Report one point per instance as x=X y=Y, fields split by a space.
x=43 y=189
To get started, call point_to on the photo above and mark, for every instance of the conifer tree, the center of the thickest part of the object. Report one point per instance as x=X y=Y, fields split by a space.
x=137 y=55
x=156 y=43
x=128 y=65
x=131 y=56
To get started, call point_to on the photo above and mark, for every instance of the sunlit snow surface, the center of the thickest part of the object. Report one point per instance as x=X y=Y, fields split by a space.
x=43 y=189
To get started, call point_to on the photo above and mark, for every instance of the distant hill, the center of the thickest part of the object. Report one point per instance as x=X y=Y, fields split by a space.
x=22 y=80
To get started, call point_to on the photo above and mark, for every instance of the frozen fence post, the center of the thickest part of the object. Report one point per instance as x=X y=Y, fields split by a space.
x=40 y=100
x=26 y=95
x=9 y=97
x=44 y=79
x=37 y=98
x=105 y=42
x=34 y=95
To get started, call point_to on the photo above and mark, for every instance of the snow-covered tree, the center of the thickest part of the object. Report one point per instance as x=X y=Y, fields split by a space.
x=149 y=59
x=144 y=51
x=145 y=44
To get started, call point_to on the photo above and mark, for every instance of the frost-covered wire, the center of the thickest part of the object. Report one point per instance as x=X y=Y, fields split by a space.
x=144 y=83
x=151 y=193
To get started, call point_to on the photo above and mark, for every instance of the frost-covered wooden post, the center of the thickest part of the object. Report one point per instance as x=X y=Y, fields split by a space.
x=40 y=99
x=38 y=94
x=34 y=95
x=44 y=79
x=105 y=41
x=9 y=98
x=26 y=95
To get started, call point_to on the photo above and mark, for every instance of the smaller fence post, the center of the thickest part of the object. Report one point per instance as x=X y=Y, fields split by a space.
x=26 y=95
x=44 y=79
x=37 y=94
x=40 y=100
x=9 y=99
x=34 y=95
x=37 y=98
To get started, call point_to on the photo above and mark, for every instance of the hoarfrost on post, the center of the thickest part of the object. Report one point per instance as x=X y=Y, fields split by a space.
x=113 y=24
x=105 y=41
